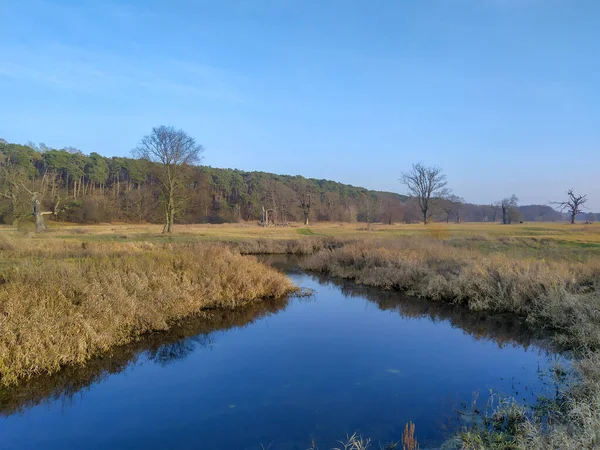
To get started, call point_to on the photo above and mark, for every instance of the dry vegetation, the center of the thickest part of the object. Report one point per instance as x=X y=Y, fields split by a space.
x=78 y=291
x=562 y=296
x=62 y=305
x=557 y=295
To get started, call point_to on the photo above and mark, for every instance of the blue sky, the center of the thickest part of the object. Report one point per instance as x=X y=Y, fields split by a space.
x=504 y=95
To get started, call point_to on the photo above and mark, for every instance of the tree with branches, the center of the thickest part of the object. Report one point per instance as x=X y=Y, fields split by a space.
x=508 y=206
x=37 y=212
x=172 y=149
x=574 y=204
x=425 y=184
x=452 y=205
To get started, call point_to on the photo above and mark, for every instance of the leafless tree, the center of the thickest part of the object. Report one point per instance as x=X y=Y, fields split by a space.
x=37 y=212
x=172 y=149
x=451 y=206
x=425 y=184
x=573 y=205
x=508 y=205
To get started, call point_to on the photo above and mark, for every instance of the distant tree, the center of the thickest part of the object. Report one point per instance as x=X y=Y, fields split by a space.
x=451 y=206
x=306 y=204
x=72 y=150
x=411 y=212
x=96 y=170
x=573 y=205
x=171 y=148
x=508 y=206
x=37 y=212
x=425 y=184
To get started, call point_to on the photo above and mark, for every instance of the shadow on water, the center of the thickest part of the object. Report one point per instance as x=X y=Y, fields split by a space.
x=160 y=347
x=501 y=328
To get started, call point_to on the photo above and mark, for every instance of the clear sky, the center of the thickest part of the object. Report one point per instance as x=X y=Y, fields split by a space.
x=504 y=95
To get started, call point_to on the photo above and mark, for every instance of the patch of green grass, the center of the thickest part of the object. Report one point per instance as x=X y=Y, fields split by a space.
x=305 y=232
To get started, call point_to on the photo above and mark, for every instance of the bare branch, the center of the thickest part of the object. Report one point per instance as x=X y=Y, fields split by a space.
x=425 y=184
x=574 y=204
x=172 y=149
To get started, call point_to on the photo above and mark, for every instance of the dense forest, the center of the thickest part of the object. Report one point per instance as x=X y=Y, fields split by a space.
x=75 y=187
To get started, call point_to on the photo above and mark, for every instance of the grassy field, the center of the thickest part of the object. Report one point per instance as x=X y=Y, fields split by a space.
x=530 y=239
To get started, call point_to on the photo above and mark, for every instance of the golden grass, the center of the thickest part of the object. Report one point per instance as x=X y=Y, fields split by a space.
x=558 y=295
x=558 y=231
x=73 y=378
x=60 y=305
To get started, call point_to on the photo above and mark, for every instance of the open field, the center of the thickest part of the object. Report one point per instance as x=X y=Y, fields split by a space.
x=550 y=239
x=561 y=231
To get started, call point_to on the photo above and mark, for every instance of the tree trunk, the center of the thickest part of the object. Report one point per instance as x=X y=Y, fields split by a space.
x=169 y=212
x=39 y=222
x=306 y=219
x=39 y=215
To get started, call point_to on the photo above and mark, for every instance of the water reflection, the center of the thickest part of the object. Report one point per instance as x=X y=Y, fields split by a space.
x=162 y=348
x=500 y=328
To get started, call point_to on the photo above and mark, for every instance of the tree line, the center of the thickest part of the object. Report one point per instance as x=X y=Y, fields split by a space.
x=163 y=183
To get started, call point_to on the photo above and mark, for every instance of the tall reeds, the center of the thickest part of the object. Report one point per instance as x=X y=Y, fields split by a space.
x=64 y=308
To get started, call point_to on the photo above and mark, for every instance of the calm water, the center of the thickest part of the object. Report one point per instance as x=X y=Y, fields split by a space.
x=347 y=359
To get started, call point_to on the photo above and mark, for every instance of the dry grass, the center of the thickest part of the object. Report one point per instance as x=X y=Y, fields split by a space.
x=562 y=296
x=62 y=305
x=162 y=347
x=575 y=421
x=552 y=231
x=86 y=289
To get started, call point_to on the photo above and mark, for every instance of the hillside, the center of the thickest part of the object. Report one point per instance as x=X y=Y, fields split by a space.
x=92 y=188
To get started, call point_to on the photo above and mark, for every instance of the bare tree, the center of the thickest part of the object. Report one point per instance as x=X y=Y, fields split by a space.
x=452 y=205
x=425 y=184
x=573 y=205
x=37 y=212
x=172 y=149
x=508 y=205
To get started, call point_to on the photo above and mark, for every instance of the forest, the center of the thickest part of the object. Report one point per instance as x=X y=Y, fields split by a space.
x=74 y=187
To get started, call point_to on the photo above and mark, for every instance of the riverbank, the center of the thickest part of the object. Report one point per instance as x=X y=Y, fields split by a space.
x=556 y=296
x=561 y=296
x=61 y=305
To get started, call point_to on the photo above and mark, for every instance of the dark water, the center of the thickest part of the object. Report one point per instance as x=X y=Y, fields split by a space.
x=281 y=374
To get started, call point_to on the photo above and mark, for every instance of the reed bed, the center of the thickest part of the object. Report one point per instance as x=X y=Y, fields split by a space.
x=62 y=305
x=556 y=295
x=560 y=297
